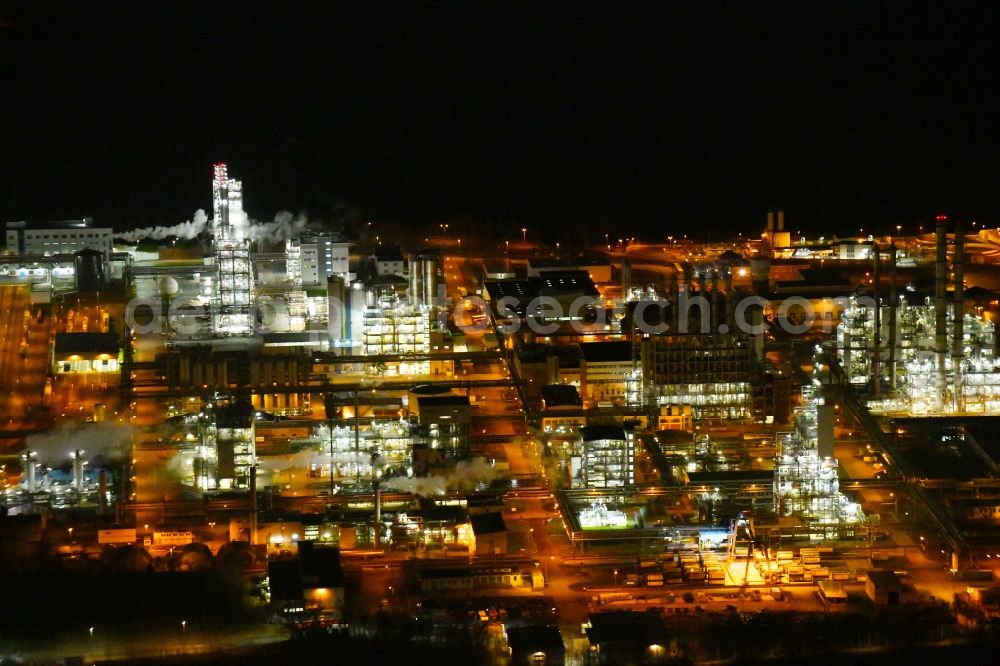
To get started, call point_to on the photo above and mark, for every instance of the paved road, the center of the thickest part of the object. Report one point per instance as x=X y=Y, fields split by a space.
x=24 y=348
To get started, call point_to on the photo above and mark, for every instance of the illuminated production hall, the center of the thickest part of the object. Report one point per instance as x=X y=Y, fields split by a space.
x=922 y=355
x=806 y=483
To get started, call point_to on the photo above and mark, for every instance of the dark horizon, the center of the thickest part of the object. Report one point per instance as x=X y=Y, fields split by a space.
x=642 y=120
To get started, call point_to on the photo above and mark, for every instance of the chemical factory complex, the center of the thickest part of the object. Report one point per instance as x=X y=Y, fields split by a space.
x=551 y=454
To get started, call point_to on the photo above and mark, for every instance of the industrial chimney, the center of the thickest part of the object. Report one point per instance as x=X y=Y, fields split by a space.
x=877 y=342
x=416 y=280
x=893 y=304
x=941 y=304
x=102 y=492
x=958 y=312
x=675 y=297
x=716 y=304
x=30 y=469
x=430 y=280
x=78 y=464
x=253 y=505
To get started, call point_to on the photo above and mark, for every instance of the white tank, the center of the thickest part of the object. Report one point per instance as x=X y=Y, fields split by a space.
x=168 y=286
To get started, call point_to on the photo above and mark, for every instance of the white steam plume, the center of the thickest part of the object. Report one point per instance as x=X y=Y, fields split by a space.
x=467 y=475
x=186 y=230
x=285 y=226
x=109 y=441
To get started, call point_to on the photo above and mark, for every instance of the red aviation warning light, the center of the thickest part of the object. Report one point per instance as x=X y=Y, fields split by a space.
x=939 y=218
x=221 y=173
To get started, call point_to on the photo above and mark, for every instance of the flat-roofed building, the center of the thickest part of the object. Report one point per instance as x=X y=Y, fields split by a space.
x=85 y=352
x=58 y=237
x=608 y=457
x=606 y=369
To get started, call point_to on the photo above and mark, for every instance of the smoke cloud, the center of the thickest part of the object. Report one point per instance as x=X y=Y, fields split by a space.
x=466 y=476
x=187 y=230
x=107 y=441
x=283 y=227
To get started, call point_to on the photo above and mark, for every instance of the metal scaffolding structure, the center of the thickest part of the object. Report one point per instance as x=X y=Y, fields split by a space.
x=918 y=354
x=806 y=484
x=712 y=373
x=347 y=454
x=235 y=284
x=392 y=326
x=224 y=450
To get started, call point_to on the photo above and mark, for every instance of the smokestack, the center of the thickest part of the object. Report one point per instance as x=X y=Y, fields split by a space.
x=626 y=277
x=877 y=356
x=781 y=219
x=253 y=505
x=941 y=303
x=730 y=299
x=336 y=309
x=770 y=221
x=716 y=303
x=756 y=313
x=893 y=304
x=29 y=467
x=416 y=280
x=430 y=281
x=958 y=312
x=78 y=463
x=102 y=492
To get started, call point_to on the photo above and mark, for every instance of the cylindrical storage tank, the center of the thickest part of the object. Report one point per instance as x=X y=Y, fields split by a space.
x=335 y=309
x=78 y=464
x=99 y=412
x=416 y=280
x=430 y=281
x=89 y=270
x=369 y=298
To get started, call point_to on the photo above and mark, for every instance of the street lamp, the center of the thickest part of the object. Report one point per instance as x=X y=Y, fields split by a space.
x=184 y=624
x=524 y=234
x=616 y=577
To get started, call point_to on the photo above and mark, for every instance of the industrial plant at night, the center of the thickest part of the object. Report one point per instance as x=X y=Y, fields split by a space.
x=628 y=346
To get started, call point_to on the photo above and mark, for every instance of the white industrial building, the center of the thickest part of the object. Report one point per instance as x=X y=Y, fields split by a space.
x=314 y=259
x=60 y=237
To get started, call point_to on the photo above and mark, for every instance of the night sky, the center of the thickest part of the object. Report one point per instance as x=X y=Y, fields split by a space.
x=646 y=118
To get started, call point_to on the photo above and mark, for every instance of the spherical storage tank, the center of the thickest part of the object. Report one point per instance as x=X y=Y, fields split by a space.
x=89 y=266
x=168 y=286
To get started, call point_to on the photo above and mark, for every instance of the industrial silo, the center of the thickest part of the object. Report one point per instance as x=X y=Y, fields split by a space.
x=89 y=270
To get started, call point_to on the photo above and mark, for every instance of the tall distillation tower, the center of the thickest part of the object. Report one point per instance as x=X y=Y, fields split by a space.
x=235 y=316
